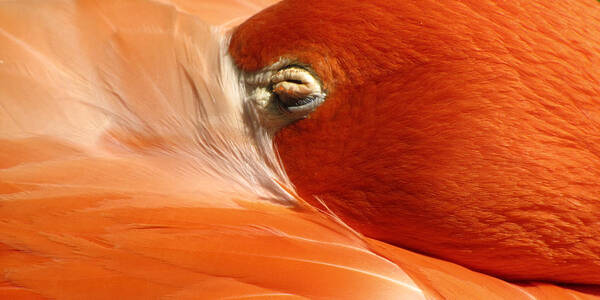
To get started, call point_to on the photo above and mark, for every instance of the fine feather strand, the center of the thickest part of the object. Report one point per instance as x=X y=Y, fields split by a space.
x=157 y=82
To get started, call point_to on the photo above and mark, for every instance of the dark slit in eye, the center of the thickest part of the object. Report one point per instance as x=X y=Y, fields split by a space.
x=292 y=102
x=294 y=81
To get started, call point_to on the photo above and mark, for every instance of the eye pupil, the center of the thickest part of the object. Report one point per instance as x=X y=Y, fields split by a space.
x=288 y=102
x=296 y=81
x=304 y=101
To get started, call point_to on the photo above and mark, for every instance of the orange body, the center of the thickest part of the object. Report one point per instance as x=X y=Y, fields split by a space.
x=469 y=130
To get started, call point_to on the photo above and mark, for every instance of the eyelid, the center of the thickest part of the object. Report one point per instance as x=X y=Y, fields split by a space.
x=293 y=89
x=295 y=73
x=295 y=82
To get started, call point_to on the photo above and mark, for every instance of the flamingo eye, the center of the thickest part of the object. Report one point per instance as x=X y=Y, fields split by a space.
x=282 y=93
x=297 y=90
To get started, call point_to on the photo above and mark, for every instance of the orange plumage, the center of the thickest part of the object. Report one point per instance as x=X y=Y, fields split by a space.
x=463 y=129
x=129 y=169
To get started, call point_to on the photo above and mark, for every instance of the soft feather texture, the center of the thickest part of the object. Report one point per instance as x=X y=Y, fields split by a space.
x=155 y=81
x=128 y=171
x=468 y=130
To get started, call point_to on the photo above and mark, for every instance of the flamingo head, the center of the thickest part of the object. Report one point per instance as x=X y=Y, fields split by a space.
x=419 y=133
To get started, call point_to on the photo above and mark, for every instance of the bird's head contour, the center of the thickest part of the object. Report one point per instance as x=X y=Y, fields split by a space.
x=324 y=76
x=424 y=133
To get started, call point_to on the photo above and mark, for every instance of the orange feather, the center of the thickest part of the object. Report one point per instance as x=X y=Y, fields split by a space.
x=468 y=130
x=127 y=171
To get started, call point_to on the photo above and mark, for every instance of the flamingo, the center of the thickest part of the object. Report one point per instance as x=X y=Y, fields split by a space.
x=174 y=149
